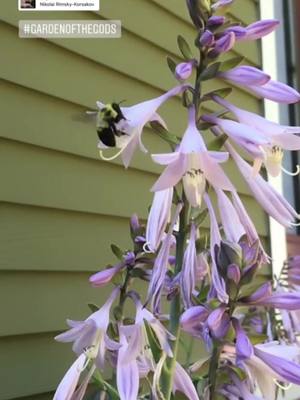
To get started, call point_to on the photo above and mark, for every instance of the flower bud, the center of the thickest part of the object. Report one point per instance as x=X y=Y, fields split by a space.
x=134 y=222
x=207 y=38
x=184 y=70
x=218 y=322
x=229 y=253
x=216 y=20
x=199 y=11
x=234 y=273
x=103 y=277
x=262 y=293
x=223 y=45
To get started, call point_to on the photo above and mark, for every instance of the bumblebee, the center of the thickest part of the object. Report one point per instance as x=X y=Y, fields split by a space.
x=107 y=119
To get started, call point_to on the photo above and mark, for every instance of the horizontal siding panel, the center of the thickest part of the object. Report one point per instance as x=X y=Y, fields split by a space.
x=63 y=181
x=45 y=311
x=32 y=364
x=158 y=77
x=35 y=238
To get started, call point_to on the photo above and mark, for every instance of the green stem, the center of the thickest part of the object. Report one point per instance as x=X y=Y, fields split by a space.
x=213 y=368
x=174 y=328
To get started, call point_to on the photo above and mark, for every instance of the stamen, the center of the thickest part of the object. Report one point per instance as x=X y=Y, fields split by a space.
x=297 y=172
x=112 y=157
x=147 y=248
x=282 y=387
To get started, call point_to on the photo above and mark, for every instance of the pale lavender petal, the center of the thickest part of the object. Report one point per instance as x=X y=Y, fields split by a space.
x=221 y=3
x=159 y=217
x=127 y=374
x=183 y=383
x=245 y=75
x=214 y=173
x=80 y=392
x=193 y=317
x=192 y=140
x=187 y=277
x=277 y=91
x=129 y=149
x=157 y=118
x=230 y=220
x=165 y=159
x=288 y=370
x=218 y=322
x=287 y=141
x=219 y=156
x=72 y=334
x=101 y=317
x=285 y=301
x=172 y=174
x=67 y=386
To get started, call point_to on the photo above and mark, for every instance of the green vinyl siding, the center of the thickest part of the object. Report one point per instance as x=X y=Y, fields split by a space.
x=60 y=205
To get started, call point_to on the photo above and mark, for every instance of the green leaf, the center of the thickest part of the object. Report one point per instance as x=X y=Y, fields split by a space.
x=184 y=47
x=117 y=251
x=210 y=72
x=153 y=342
x=217 y=143
x=257 y=338
x=164 y=134
x=93 y=307
x=98 y=380
x=171 y=64
x=224 y=92
x=251 y=288
x=232 y=63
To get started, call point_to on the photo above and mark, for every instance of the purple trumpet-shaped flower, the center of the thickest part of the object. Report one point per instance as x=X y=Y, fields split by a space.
x=276 y=91
x=183 y=383
x=207 y=38
x=286 y=369
x=194 y=164
x=223 y=44
x=271 y=201
x=285 y=301
x=218 y=286
x=244 y=348
x=184 y=70
x=245 y=75
x=188 y=274
x=127 y=372
x=161 y=266
x=218 y=322
x=231 y=224
x=90 y=336
x=279 y=136
x=260 y=29
x=221 y=3
x=67 y=386
x=159 y=217
x=192 y=320
x=136 y=117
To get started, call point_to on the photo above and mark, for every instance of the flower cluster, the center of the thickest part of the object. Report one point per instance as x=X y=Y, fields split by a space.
x=198 y=254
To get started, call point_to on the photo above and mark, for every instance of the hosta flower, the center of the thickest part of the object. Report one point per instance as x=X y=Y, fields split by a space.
x=259 y=29
x=279 y=137
x=188 y=274
x=245 y=75
x=159 y=217
x=89 y=336
x=276 y=91
x=160 y=267
x=136 y=117
x=272 y=202
x=192 y=163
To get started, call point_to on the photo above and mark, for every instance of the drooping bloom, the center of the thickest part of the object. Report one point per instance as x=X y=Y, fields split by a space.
x=218 y=322
x=245 y=75
x=244 y=348
x=159 y=217
x=276 y=91
x=193 y=319
x=89 y=336
x=188 y=274
x=279 y=137
x=136 y=117
x=272 y=202
x=160 y=267
x=192 y=163
x=67 y=386
x=183 y=383
x=127 y=372
x=218 y=286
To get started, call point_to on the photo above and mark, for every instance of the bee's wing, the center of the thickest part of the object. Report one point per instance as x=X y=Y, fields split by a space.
x=87 y=117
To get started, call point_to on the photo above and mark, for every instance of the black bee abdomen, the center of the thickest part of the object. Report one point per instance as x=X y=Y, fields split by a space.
x=107 y=137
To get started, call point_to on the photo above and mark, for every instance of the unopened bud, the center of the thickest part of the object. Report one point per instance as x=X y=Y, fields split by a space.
x=184 y=70
x=199 y=11
x=207 y=38
x=234 y=273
